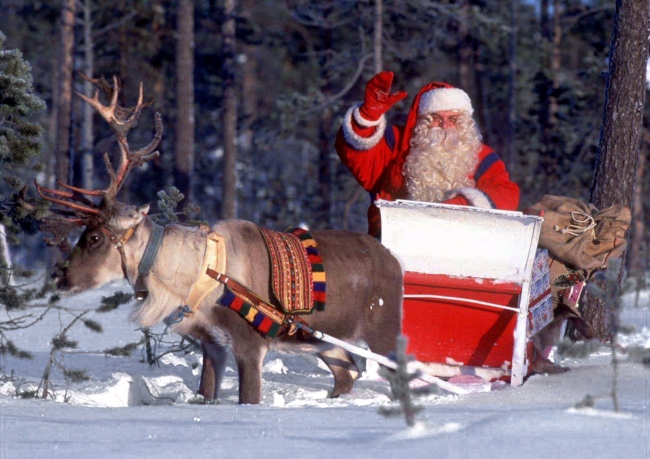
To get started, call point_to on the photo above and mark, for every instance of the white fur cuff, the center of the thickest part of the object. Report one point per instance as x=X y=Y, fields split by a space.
x=475 y=197
x=355 y=140
x=361 y=121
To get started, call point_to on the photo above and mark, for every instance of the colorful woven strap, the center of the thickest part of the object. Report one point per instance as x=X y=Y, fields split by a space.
x=319 y=279
x=258 y=319
x=250 y=306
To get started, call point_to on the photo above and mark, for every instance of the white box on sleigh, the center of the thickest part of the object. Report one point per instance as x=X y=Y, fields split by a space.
x=467 y=282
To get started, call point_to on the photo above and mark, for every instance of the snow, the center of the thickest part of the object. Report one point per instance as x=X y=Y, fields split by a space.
x=132 y=410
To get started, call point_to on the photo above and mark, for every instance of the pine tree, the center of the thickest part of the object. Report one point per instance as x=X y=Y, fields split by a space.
x=19 y=148
x=19 y=137
x=400 y=386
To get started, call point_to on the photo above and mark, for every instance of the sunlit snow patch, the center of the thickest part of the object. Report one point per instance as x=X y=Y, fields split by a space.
x=114 y=393
x=600 y=413
x=278 y=400
x=164 y=390
x=172 y=359
x=7 y=389
x=422 y=429
x=276 y=367
x=640 y=339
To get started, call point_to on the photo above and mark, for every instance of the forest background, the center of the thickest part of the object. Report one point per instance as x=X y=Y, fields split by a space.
x=252 y=93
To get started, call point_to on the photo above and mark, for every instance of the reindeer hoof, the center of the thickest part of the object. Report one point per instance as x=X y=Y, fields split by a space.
x=543 y=365
x=199 y=399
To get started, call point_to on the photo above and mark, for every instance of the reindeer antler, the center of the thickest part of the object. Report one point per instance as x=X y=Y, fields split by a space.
x=81 y=210
x=68 y=198
x=57 y=222
x=120 y=120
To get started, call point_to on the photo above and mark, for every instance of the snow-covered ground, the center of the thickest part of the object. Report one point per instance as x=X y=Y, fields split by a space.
x=132 y=410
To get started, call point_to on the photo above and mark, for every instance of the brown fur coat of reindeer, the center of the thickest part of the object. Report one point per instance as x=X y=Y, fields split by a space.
x=364 y=281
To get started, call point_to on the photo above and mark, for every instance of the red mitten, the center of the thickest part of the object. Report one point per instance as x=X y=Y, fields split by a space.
x=378 y=98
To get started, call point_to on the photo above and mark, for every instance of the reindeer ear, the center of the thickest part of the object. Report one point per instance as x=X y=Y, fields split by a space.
x=127 y=216
x=143 y=210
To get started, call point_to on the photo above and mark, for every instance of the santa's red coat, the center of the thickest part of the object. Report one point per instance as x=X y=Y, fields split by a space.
x=376 y=154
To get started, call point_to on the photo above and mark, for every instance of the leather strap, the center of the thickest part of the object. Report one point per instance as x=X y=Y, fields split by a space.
x=213 y=258
x=147 y=261
x=238 y=289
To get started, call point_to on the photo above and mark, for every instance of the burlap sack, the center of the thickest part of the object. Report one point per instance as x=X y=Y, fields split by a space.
x=580 y=235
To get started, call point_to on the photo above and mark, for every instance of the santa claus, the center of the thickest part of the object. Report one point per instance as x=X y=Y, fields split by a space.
x=437 y=156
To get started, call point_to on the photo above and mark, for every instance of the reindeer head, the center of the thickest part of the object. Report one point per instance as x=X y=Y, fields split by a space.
x=99 y=255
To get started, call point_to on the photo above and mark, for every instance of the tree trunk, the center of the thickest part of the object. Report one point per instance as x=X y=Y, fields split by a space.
x=621 y=132
x=637 y=251
x=88 y=112
x=250 y=101
x=229 y=209
x=512 y=88
x=378 y=32
x=159 y=29
x=325 y=165
x=184 y=139
x=66 y=66
x=253 y=54
x=464 y=48
x=325 y=143
x=124 y=45
x=556 y=62
x=622 y=127
x=482 y=110
x=545 y=103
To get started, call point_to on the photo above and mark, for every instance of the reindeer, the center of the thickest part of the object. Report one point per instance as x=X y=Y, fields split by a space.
x=364 y=280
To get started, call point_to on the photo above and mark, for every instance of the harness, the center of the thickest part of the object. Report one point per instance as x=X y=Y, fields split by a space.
x=148 y=258
x=261 y=314
x=268 y=319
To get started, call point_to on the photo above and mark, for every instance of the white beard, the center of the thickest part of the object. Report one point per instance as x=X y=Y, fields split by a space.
x=439 y=162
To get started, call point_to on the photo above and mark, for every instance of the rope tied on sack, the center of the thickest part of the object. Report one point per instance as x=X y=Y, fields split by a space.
x=579 y=235
x=580 y=224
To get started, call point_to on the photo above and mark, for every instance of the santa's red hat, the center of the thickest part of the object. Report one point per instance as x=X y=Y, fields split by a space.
x=435 y=97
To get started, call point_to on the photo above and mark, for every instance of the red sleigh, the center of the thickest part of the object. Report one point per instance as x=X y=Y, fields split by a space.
x=476 y=288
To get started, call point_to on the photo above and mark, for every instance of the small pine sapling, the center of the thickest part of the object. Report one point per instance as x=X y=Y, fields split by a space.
x=400 y=384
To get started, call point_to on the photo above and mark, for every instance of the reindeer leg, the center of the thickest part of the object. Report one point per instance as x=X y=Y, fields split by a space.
x=249 y=366
x=342 y=366
x=214 y=367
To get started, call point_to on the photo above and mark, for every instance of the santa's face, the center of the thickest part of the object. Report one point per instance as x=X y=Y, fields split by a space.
x=446 y=119
x=443 y=155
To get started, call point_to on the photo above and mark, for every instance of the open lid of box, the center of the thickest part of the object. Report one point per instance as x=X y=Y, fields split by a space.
x=460 y=241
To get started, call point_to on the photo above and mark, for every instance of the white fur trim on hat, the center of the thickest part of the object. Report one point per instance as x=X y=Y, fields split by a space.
x=475 y=197
x=355 y=140
x=442 y=99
